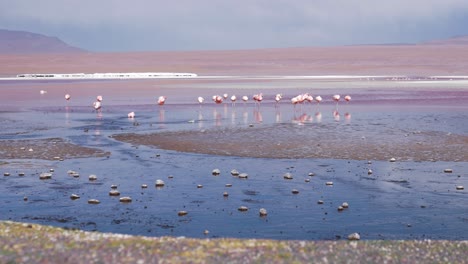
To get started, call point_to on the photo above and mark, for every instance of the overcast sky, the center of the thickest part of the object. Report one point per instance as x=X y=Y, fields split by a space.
x=142 y=25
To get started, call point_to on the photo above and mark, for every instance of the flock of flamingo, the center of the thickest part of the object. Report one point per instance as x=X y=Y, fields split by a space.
x=218 y=99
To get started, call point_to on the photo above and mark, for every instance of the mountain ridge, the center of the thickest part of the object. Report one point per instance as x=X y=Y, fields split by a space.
x=24 y=42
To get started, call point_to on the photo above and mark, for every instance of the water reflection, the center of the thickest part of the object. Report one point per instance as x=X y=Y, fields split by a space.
x=278 y=118
x=245 y=117
x=336 y=115
x=217 y=117
x=258 y=115
x=233 y=117
x=318 y=117
x=347 y=116
x=67 y=115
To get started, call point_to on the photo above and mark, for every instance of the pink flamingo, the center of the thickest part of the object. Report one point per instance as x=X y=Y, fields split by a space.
x=309 y=98
x=347 y=98
x=336 y=98
x=217 y=99
x=161 y=100
x=258 y=98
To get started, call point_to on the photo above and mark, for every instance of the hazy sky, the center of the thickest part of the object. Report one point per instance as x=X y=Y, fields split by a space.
x=139 y=25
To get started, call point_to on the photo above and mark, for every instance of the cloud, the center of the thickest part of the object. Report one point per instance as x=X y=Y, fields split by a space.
x=213 y=24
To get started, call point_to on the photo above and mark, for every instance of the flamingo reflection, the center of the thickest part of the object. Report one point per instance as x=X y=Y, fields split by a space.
x=318 y=117
x=258 y=116
x=336 y=115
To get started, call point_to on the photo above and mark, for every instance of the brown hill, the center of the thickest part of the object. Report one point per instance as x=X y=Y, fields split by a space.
x=22 y=42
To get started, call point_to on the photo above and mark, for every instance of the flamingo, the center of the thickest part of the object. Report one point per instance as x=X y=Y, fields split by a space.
x=225 y=96
x=258 y=98
x=318 y=98
x=245 y=98
x=201 y=100
x=296 y=100
x=97 y=106
x=217 y=99
x=67 y=97
x=336 y=98
x=347 y=98
x=161 y=100
x=278 y=98
x=131 y=115
x=233 y=100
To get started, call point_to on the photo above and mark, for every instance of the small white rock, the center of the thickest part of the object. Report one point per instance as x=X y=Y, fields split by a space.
x=354 y=236
x=345 y=205
x=159 y=183
x=307 y=180
x=225 y=194
x=369 y=172
x=311 y=174
x=182 y=213
x=262 y=212
x=448 y=170
x=114 y=193
x=93 y=201
x=144 y=186
x=234 y=172
x=92 y=177
x=392 y=160
x=460 y=187
x=216 y=172
x=45 y=176
x=74 y=196
x=243 y=208
x=125 y=199
x=295 y=191
x=6 y=174
x=329 y=183
x=288 y=176
x=199 y=186
x=243 y=175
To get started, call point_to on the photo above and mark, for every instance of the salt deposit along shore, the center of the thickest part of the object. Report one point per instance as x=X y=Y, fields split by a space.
x=98 y=76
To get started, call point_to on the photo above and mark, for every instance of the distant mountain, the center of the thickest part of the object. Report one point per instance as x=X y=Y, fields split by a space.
x=457 y=40
x=15 y=42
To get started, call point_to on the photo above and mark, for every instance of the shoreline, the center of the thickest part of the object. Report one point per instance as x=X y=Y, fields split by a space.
x=25 y=243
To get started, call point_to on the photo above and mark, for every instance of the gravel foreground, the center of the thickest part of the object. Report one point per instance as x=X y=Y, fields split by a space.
x=31 y=243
